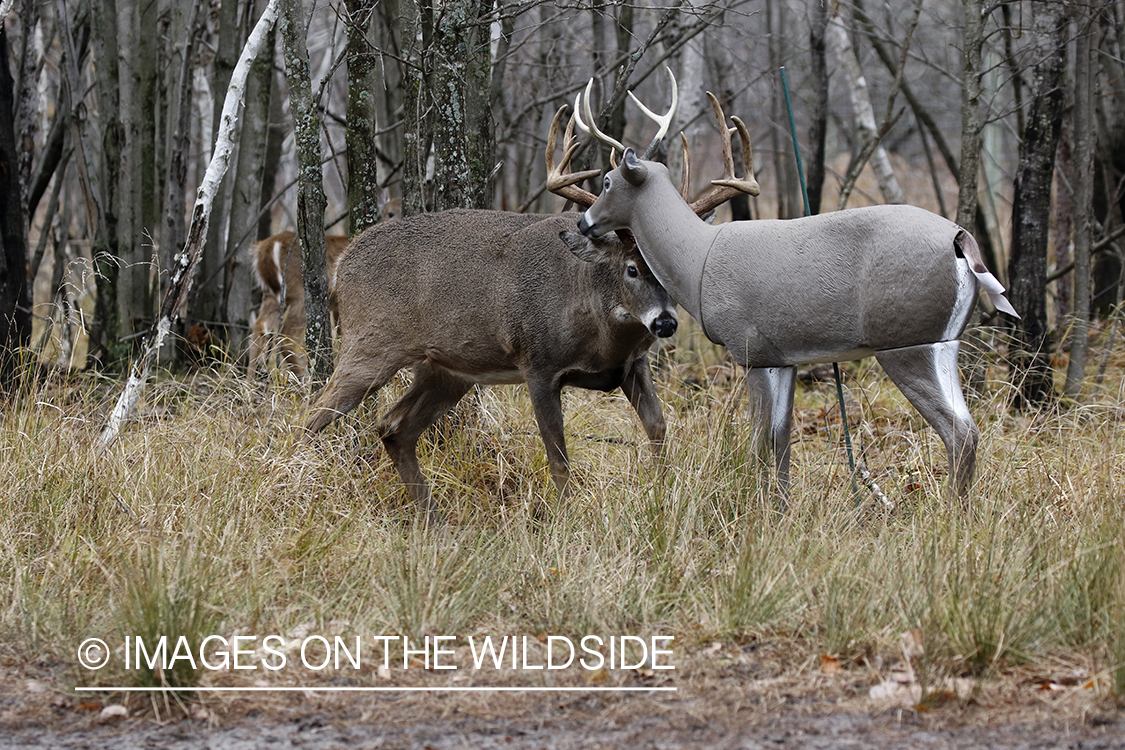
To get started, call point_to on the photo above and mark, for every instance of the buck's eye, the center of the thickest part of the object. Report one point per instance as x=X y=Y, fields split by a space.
x=606 y=182
x=632 y=272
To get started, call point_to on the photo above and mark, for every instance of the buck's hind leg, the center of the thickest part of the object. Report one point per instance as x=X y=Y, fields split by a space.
x=771 y=407
x=432 y=394
x=927 y=375
x=353 y=379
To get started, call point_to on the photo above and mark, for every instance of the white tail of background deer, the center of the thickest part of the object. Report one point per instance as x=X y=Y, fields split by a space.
x=468 y=297
x=896 y=282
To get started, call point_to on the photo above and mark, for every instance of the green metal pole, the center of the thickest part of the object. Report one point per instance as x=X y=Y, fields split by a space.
x=808 y=212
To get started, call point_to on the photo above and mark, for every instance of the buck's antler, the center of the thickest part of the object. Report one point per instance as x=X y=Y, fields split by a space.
x=560 y=180
x=589 y=126
x=729 y=186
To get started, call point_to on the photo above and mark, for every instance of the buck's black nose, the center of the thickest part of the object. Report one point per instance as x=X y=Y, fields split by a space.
x=664 y=326
x=584 y=226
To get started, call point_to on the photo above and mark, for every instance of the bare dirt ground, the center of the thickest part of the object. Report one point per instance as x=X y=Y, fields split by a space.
x=726 y=697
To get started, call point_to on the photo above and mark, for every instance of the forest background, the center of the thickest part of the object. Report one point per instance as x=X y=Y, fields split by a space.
x=110 y=112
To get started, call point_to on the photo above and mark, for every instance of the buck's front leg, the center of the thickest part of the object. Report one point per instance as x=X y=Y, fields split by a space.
x=771 y=408
x=546 y=401
x=641 y=392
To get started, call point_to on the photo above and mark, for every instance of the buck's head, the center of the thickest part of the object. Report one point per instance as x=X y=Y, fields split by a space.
x=623 y=277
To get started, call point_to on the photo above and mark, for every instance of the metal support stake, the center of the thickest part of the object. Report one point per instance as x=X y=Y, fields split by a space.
x=808 y=212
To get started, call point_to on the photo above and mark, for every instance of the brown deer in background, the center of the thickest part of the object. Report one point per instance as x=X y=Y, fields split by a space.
x=278 y=273
x=277 y=268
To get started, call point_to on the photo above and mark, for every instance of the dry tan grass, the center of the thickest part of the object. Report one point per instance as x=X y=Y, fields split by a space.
x=209 y=516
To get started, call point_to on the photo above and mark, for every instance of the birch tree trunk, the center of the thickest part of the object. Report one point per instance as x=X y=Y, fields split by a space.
x=862 y=111
x=310 y=190
x=188 y=259
x=1031 y=206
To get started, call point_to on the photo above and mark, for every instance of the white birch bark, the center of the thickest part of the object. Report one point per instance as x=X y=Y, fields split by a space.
x=841 y=45
x=187 y=259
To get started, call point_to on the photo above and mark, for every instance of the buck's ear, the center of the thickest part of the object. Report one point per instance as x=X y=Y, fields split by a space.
x=581 y=246
x=632 y=169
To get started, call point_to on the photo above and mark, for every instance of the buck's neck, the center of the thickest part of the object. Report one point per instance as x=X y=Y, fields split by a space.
x=674 y=242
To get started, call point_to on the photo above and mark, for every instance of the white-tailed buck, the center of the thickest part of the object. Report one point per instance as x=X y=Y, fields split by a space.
x=896 y=282
x=467 y=297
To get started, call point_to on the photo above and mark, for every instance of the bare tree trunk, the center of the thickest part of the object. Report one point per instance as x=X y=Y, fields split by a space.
x=1031 y=208
x=1083 y=130
x=274 y=143
x=310 y=189
x=417 y=38
x=15 y=294
x=27 y=107
x=1064 y=211
x=247 y=189
x=970 y=112
x=206 y=303
x=107 y=334
x=782 y=158
x=134 y=271
x=178 y=136
x=447 y=103
x=1109 y=175
x=189 y=258
x=463 y=146
x=818 y=120
x=363 y=116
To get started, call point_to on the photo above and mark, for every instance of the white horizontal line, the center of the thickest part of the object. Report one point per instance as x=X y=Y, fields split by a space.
x=284 y=689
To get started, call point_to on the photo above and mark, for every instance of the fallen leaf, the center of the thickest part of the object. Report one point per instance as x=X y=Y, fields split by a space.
x=597 y=676
x=35 y=687
x=383 y=672
x=113 y=714
x=936 y=699
x=829 y=664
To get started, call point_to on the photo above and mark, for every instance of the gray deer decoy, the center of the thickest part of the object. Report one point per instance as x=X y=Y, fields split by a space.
x=896 y=282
